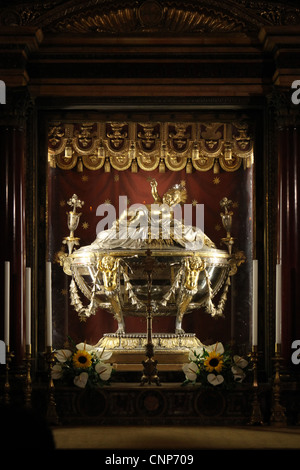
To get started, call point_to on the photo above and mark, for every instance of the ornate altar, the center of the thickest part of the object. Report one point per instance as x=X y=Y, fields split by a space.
x=162 y=116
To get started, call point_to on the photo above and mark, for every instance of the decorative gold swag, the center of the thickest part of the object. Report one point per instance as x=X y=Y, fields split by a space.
x=166 y=145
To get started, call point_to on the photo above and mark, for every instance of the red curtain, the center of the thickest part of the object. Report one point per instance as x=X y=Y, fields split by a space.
x=96 y=187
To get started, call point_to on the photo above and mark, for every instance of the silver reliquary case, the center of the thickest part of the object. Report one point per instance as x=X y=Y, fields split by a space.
x=110 y=274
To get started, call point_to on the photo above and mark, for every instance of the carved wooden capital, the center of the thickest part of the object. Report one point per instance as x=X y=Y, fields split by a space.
x=19 y=104
x=286 y=114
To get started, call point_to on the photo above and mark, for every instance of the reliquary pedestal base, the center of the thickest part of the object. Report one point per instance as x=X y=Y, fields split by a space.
x=128 y=350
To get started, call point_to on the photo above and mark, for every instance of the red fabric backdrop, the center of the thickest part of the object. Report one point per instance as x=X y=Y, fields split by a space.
x=96 y=187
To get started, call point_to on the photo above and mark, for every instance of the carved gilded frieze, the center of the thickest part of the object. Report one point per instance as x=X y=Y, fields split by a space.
x=178 y=16
x=148 y=145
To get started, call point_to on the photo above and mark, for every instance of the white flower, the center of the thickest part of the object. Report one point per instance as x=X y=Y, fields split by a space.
x=193 y=355
x=215 y=379
x=56 y=372
x=62 y=355
x=237 y=369
x=84 y=347
x=238 y=373
x=102 y=354
x=240 y=361
x=104 y=370
x=190 y=371
x=81 y=379
x=217 y=347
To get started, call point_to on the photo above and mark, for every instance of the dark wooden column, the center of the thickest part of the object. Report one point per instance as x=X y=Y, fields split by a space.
x=288 y=217
x=12 y=194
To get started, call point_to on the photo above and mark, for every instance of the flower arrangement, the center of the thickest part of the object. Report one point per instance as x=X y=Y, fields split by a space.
x=214 y=366
x=83 y=365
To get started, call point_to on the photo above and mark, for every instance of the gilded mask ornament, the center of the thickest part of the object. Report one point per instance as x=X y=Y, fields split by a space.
x=180 y=136
x=55 y=134
x=242 y=139
x=116 y=133
x=211 y=137
x=147 y=136
x=85 y=136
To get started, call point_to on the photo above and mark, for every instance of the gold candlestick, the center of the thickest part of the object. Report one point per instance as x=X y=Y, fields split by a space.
x=150 y=370
x=51 y=414
x=278 y=417
x=256 y=416
x=28 y=382
x=9 y=356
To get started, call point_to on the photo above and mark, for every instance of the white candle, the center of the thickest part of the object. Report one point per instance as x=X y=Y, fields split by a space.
x=254 y=303
x=48 y=304
x=280 y=223
x=278 y=303
x=7 y=302
x=28 y=306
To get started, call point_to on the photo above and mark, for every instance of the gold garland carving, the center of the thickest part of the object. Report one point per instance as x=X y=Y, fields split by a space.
x=229 y=165
x=120 y=162
x=204 y=163
x=93 y=162
x=175 y=163
x=147 y=146
x=148 y=162
x=66 y=162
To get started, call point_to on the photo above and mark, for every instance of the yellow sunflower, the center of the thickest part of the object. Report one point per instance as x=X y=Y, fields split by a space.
x=82 y=359
x=214 y=361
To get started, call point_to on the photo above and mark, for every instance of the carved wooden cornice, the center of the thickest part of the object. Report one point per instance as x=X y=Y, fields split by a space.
x=146 y=48
x=16 y=46
x=135 y=16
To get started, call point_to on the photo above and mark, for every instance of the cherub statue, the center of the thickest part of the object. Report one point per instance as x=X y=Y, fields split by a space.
x=109 y=267
x=175 y=195
x=192 y=268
